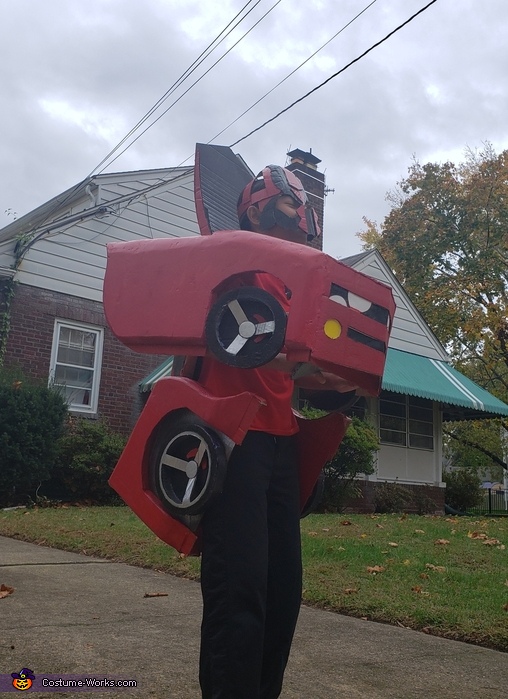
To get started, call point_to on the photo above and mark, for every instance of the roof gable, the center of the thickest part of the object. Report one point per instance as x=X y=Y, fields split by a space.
x=91 y=193
x=410 y=333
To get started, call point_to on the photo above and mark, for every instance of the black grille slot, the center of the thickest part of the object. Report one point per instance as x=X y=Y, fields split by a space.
x=366 y=340
x=377 y=313
x=336 y=290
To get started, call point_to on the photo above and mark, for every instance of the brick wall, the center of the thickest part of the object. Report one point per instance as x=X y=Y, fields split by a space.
x=33 y=312
x=314 y=184
x=365 y=504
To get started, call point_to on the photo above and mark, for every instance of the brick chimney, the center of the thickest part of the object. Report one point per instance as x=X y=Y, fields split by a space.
x=304 y=165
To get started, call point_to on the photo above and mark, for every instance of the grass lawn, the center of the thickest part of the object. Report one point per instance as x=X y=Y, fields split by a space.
x=442 y=575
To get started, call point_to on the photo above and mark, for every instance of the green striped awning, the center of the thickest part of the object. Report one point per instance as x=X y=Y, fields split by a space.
x=436 y=380
x=413 y=375
x=162 y=370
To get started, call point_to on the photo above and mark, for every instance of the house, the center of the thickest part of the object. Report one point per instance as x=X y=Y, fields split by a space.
x=52 y=265
x=420 y=391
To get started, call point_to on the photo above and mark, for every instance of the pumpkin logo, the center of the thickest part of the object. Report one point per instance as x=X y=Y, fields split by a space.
x=23 y=680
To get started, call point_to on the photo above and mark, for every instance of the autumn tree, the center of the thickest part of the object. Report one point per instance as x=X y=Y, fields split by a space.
x=446 y=238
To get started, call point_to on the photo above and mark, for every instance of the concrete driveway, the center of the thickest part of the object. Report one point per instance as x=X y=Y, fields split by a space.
x=71 y=614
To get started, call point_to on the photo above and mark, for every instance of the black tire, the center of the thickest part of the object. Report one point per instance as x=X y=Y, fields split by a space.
x=246 y=347
x=187 y=485
x=315 y=497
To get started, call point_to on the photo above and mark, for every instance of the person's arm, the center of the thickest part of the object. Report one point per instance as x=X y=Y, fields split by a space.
x=314 y=379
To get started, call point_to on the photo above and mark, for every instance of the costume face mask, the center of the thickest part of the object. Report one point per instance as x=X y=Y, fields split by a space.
x=279 y=182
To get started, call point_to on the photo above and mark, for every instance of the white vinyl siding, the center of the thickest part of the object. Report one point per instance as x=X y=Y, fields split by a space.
x=76 y=358
x=71 y=260
x=410 y=333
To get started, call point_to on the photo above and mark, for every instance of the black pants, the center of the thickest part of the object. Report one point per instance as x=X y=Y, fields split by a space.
x=251 y=572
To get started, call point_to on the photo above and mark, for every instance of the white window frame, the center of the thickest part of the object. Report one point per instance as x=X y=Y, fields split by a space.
x=97 y=366
x=408 y=434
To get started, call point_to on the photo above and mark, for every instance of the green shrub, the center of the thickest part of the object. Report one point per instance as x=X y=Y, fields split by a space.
x=354 y=457
x=87 y=454
x=463 y=489
x=31 y=421
x=392 y=497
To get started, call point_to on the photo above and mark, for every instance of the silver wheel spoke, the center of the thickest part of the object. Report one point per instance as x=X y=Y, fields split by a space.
x=174 y=462
x=237 y=311
x=200 y=453
x=236 y=345
x=188 y=491
x=268 y=327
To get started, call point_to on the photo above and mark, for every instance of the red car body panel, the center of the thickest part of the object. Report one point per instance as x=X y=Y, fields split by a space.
x=157 y=296
x=318 y=441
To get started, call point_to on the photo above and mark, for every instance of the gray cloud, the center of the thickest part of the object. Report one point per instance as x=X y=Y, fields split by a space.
x=77 y=76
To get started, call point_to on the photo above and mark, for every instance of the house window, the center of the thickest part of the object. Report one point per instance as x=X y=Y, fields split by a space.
x=406 y=421
x=76 y=363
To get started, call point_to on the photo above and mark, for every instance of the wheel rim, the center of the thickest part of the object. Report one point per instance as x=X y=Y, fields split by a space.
x=184 y=469
x=246 y=328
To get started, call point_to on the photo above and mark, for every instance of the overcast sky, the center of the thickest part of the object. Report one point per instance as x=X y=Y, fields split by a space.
x=77 y=76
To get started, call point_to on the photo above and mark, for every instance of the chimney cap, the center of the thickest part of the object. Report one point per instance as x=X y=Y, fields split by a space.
x=306 y=157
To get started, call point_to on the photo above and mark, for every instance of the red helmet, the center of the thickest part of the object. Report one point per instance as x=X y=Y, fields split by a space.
x=273 y=182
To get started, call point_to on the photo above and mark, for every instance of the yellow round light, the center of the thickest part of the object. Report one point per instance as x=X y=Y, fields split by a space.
x=332 y=329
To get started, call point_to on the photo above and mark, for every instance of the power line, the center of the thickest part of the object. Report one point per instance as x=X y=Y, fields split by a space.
x=193 y=66
x=335 y=74
x=178 y=82
x=194 y=83
x=292 y=72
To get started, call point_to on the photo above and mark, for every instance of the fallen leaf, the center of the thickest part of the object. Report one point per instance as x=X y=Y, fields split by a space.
x=346 y=523
x=5 y=591
x=491 y=542
x=424 y=576
x=419 y=531
x=375 y=569
x=502 y=547
x=311 y=533
x=438 y=569
x=407 y=562
x=392 y=544
x=325 y=529
x=363 y=536
x=379 y=526
x=155 y=594
x=420 y=591
x=505 y=607
x=477 y=535
x=350 y=590
x=450 y=519
x=441 y=542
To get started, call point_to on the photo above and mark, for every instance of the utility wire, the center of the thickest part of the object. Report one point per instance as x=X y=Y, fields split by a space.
x=193 y=66
x=335 y=74
x=193 y=84
x=292 y=72
x=184 y=75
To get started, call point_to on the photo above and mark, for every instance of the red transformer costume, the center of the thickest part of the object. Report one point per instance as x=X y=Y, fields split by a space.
x=188 y=303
